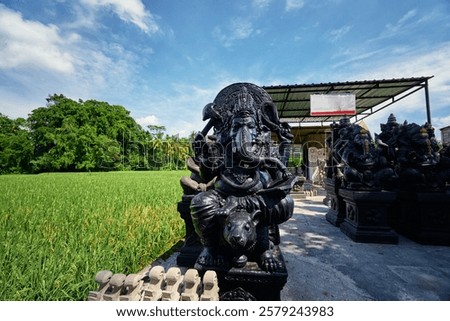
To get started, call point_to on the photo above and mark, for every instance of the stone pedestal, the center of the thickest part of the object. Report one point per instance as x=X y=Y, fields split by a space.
x=367 y=216
x=425 y=217
x=336 y=211
x=192 y=245
x=250 y=283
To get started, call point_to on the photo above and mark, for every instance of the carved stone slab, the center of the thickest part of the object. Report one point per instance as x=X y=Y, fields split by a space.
x=367 y=216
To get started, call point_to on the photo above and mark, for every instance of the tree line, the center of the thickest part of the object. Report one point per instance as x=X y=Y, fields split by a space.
x=90 y=135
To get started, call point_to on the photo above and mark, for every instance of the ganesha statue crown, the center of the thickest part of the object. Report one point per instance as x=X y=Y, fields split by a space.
x=245 y=103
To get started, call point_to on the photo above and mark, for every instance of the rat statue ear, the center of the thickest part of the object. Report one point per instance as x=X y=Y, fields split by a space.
x=256 y=216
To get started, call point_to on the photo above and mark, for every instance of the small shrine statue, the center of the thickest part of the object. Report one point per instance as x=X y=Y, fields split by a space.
x=237 y=217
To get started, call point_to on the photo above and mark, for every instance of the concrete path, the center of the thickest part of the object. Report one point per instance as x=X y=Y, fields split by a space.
x=324 y=264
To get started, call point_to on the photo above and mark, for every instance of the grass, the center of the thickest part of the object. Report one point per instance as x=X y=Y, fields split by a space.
x=58 y=230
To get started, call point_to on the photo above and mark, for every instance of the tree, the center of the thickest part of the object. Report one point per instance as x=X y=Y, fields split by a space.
x=81 y=136
x=68 y=135
x=16 y=147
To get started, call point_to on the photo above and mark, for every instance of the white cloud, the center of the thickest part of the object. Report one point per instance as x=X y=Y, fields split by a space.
x=429 y=62
x=242 y=28
x=239 y=29
x=15 y=106
x=409 y=15
x=147 y=120
x=425 y=62
x=294 y=5
x=440 y=122
x=38 y=60
x=34 y=45
x=354 y=56
x=402 y=21
x=336 y=34
x=260 y=4
x=82 y=19
x=180 y=110
x=130 y=11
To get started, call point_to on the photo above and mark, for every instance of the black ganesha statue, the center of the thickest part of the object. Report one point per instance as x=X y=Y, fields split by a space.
x=355 y=162
x=237 y=216
x=418 y=158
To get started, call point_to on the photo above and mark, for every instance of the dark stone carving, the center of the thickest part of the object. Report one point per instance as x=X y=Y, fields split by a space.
x=408 y=162
x=340 y=135
x=239 y=189
x=443 y=168
x=387 y=139
x=191 y=185
x=367 y=216
x=363 y=168
x=423 y=195
x=336 y=211
x=417 y=158
x=191 y=247
x=251 y=194
x=238 y=294
x=334 y=175
x=359 y=173
x=262 y=285
x=424 y=216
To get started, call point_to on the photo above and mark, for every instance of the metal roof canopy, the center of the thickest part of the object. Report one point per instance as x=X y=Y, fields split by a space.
x=293 y=101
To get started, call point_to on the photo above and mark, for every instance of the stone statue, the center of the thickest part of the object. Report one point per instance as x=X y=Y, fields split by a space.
x=236 y=218
x=386 y=141
x=444 y=167
x=358 y=157
x=355 y=162
x=341 y=134
x=417 y=156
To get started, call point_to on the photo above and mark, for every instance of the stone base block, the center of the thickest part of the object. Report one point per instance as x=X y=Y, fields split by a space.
x=250 y=283
x=369 y=235
x=334 y=217
x=336 y=211
x=188 y=255
x=425 y=217
x=367 y=216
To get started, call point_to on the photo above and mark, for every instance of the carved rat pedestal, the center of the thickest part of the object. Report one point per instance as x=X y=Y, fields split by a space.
x=239 y=192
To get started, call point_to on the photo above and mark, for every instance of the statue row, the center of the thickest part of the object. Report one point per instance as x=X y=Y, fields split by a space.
x=402 y=156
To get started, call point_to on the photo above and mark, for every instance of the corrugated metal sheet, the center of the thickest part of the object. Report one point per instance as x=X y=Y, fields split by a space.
x=293 y=101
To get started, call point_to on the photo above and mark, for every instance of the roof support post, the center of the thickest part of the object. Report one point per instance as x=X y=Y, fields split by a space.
x=427 y=102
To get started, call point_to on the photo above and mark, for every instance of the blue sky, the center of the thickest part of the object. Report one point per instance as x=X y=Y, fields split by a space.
x=164 y=60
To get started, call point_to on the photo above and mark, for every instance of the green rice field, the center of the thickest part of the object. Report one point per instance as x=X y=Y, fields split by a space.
x=58 y=230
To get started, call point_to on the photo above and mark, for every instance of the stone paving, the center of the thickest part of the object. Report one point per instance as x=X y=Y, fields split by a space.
x=324 y=264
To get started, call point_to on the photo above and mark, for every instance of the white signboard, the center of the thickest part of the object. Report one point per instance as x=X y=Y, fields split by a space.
x=333 y=104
